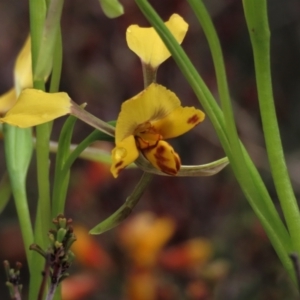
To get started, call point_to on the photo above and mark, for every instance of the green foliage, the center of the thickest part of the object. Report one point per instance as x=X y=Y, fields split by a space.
x=112 y=8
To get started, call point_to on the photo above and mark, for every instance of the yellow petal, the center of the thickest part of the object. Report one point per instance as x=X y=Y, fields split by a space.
x=7 y=100
x=22 y=70
x=123 y=154
x=147 y=44
x=154 y=103
x=178 y=122
x=35 y=107
x=164 y=158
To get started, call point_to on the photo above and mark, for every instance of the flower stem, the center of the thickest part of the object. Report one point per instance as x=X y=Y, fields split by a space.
x=149 y=74
x=90 y=119
x=124 y=211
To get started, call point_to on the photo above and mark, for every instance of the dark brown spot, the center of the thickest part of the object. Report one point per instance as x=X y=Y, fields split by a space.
x=160 y=150
x=119 y=164
x=119 y=171
x=165 y=169
x=159 y=154
x=177 y=162
x=193 y=120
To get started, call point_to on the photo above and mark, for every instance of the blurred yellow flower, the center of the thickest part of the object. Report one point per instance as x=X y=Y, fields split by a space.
x=144 y=235
x=88 y=250
x=144 y=121
x=22 y=78
x=147 y=44
x=191 y=254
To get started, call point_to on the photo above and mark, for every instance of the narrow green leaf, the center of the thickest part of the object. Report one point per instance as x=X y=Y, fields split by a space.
x=51 y=29
x=61 y=179
x=125 y=210
x=5 y=191
x=18 y=151
x=257 y=21
x=258 y=197
x=112 y=8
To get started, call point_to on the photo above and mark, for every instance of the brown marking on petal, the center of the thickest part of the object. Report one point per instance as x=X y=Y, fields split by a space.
x=119 y=164
x=165 y=169
x=118 y=172
x=160 y=150
x=159 y=154
x=161 y=161
x=193 y=120
x=177 y=162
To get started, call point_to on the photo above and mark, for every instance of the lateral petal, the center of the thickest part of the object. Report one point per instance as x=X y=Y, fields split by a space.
x=147 y=44
x=35 y=107
x=123 y=154
x=163 y=157
x=178 y=122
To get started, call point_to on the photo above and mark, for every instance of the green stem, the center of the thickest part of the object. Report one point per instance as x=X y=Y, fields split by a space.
x=125 y=210
x=37 y=9
x=37 y=12
x=257 y=21
x=90 y=119
x=57 y=64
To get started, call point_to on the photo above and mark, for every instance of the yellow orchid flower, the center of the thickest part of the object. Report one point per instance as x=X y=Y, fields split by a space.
x=147 y=44
x=144 y=122
x=22 y=78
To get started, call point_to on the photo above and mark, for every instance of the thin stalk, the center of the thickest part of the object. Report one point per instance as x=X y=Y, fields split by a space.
x=149 y=74
x=90 y=119
x=57 y=64
x=124 y=211
x=37 y=11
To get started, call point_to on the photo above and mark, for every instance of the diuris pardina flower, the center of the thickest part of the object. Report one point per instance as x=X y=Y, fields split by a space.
x=145 y=121
x=147 y=44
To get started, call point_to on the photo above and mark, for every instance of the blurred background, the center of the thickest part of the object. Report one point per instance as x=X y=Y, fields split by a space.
x=188 y=238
